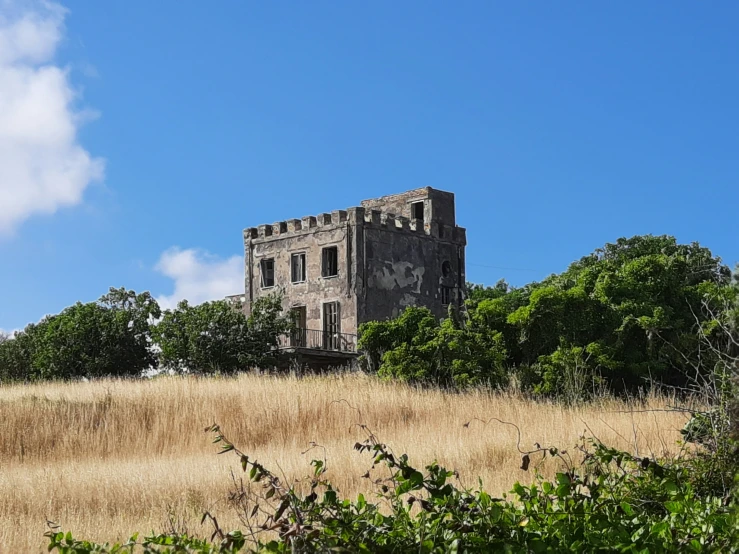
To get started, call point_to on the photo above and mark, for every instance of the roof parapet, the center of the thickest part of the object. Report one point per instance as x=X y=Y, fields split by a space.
x=309 y=222
x=356 y=215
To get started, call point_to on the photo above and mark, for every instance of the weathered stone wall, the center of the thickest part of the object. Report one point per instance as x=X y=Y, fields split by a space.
x=438 y=205
x=403 y=267
x=309 y=235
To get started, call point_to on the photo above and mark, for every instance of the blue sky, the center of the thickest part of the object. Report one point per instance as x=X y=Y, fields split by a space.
x=140 y=138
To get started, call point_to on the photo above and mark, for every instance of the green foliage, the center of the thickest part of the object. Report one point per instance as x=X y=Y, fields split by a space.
x=266 y=323
x=116 y=336
x=416 y=347
x=216 y=337
x=610 y=502
x=567 y=374
x=476 y=293
x=109 y=337
x=155 y=544
x=629 y=315
x=15 y=356
x=634 y=307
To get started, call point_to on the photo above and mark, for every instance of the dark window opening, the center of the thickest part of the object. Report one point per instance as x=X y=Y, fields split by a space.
x=297 y=268
x=417 y=210
x=331 y=328
x=268 y=273
x=446 y=269
x=330 y=262
x=446 y=295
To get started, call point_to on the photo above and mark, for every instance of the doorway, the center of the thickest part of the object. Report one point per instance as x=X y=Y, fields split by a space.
x=298 y=333
x=331 y=328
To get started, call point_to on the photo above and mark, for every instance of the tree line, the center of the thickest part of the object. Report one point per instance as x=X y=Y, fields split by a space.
x=126 y=334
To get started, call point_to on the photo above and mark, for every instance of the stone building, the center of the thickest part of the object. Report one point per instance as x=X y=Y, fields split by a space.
x=342 y=268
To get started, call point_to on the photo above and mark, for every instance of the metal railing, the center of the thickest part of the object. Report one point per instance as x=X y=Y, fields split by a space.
x=319 y=340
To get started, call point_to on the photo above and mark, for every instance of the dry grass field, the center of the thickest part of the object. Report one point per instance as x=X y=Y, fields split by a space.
x=108 y=458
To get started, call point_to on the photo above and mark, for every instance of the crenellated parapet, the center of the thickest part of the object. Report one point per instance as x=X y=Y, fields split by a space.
x=354 y=216
x=399 y=223
x=307 y=224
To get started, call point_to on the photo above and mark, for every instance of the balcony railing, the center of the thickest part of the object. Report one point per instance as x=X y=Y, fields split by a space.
x=318 y=340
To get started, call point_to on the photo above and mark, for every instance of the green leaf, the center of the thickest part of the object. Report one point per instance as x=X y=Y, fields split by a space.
x=626 y=507
x=674 y=507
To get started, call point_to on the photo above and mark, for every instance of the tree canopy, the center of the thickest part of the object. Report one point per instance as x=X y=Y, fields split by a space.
x=125 y=333
x=626 y=314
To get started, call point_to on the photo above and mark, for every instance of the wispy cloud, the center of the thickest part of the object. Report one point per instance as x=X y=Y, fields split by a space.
x=42 y=165
x=199 y=276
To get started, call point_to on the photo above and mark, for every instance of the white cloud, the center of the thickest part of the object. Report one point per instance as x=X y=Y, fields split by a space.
x=42 y=166
x=199 y=276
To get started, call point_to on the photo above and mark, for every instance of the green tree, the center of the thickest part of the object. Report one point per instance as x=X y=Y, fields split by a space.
x=15 y=357
x=629 y=313
x=634 y=307
x=217 y=337
x=110 y=337
x=475 y=293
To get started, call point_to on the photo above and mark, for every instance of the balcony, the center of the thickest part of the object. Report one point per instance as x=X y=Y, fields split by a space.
x=313 y=349
x=314 y=339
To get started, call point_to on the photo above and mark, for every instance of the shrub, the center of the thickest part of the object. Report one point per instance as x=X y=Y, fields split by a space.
x=415 y=347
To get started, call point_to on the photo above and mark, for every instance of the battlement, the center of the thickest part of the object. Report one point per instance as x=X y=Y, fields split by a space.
x=401 y=223
x=356 y=215
x=309 y=223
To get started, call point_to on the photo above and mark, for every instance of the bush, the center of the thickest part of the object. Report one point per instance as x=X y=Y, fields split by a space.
x=415 y=347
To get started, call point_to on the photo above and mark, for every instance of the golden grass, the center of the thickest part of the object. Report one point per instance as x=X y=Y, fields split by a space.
x=108 y=458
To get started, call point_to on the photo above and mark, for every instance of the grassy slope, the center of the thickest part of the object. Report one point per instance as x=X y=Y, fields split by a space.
x=109 y=458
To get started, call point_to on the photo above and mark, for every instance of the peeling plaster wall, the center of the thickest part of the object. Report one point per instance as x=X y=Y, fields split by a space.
x=405 y=269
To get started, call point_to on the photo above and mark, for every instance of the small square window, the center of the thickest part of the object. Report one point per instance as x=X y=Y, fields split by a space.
x=330 y=262
x=297 y=268
x=417 y=210
x=446 y=295
x=268 y=272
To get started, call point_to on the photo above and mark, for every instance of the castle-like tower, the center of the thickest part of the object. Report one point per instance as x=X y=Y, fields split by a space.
x=340 y=269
